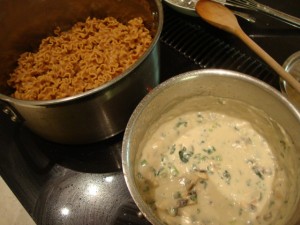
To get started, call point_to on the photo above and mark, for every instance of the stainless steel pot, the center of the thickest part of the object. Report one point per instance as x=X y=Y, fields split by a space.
x=93 y=115
x=218 y=83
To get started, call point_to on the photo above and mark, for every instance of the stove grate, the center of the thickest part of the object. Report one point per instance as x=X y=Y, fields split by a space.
x=205 y=47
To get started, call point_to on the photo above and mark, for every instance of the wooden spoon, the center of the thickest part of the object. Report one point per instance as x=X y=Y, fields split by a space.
x=221 y=17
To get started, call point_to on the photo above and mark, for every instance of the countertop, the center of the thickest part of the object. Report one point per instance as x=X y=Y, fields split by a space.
x=11 y=210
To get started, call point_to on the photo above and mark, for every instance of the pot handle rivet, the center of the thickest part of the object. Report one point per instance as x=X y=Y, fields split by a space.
x=13 y=116
x=140 y=214
x=6 y=111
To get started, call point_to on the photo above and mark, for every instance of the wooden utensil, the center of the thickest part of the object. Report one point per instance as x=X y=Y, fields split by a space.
x=221 y=17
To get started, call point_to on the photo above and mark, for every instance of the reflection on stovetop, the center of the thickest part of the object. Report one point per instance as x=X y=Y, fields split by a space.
x=80 y=198
x=101 y=157
x=63 y=184
x=69 y=184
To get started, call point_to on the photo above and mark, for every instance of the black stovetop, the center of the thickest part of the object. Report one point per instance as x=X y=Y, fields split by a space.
x=60 y=184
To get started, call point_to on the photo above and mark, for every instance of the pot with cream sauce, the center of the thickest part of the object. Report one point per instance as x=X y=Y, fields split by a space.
x=221 y=148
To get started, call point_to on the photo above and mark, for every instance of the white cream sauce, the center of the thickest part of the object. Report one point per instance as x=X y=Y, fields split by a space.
x=210 y=168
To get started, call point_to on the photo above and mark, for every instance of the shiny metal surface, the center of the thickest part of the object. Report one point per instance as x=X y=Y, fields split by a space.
x=91 y=116
x=256 y=6
x=291 y=65
x=220 y=83
x=188 y=7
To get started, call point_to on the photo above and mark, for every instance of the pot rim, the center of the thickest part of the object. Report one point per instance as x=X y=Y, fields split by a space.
x=103 y=87
x=127 y=165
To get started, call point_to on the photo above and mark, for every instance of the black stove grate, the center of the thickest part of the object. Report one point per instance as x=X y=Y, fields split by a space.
x=203 y=45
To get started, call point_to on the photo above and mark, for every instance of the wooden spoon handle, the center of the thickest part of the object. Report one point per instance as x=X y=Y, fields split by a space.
x=268 y=59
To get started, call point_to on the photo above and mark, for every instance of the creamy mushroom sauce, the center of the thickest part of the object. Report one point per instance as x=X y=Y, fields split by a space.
x=213 y=167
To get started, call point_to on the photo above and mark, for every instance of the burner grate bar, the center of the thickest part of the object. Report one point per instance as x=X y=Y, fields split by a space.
x=207 y=50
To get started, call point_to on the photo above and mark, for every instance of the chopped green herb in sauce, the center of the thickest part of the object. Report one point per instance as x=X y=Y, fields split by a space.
x=206 y=162
x=144 y=162
x=209 y=150
x=226 y=176
x=185 y=155
x=181 y=124
x=172 y=149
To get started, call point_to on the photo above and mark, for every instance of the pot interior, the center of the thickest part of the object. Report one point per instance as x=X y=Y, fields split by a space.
x=218 y=83
x=25 y=23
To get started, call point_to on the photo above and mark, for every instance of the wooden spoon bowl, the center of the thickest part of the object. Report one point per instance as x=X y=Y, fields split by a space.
x=221 y=17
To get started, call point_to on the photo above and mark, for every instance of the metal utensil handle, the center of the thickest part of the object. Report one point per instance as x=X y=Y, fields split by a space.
x=245 y=16
x=295 y=21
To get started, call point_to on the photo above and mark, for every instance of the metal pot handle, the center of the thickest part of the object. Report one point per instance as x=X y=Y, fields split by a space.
x=11 y=112
x=34 y=158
